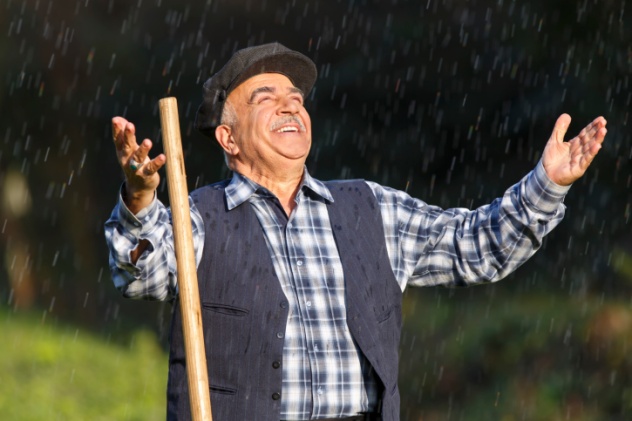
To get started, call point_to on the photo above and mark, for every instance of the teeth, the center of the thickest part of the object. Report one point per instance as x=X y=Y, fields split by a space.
x=287 y=129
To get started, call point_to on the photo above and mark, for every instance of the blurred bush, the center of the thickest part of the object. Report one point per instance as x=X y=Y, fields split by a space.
x=476 y=355
x=53 y=371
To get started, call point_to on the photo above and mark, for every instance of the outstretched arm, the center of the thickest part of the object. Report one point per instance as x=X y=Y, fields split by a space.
x=565 y=162
x=139 y=232
x=432 y=246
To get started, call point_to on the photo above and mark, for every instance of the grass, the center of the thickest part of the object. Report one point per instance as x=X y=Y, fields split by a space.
x=58 y=372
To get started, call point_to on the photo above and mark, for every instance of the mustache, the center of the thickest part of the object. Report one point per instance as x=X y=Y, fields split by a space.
x=287 y=120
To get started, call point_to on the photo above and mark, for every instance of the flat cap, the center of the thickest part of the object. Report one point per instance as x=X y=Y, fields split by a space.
x=244 y=64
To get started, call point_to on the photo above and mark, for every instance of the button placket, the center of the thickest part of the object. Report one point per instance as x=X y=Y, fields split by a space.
x=297 y=252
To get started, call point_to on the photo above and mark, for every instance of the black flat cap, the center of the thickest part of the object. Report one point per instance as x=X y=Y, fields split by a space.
x=244 y=64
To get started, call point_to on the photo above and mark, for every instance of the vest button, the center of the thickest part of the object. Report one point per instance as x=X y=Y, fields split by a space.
x=276 y=364
x=283 y=304
x=280 y=335
x=276 y=396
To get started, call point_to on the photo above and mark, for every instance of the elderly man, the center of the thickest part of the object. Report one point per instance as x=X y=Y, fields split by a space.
x=300 y=280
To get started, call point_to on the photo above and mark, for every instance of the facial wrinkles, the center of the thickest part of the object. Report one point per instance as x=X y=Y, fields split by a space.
x=287 y=120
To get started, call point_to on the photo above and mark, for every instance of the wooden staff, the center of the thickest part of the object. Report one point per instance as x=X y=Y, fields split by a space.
x=197 y=373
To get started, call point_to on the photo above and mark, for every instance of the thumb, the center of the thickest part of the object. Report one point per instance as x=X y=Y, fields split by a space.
x=155 y=164
x=561 y=126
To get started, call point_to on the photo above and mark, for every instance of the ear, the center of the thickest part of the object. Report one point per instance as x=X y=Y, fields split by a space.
x=224 y=136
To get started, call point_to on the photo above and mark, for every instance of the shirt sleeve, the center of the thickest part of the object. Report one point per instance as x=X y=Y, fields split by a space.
x=154 y=276
x=430 y=246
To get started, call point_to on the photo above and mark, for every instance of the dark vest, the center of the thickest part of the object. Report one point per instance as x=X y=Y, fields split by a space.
x=244 y=309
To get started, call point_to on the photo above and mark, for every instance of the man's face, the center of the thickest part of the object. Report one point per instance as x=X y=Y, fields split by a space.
x=273 y=129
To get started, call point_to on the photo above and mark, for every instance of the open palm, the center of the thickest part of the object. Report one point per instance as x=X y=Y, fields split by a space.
x=565 y=162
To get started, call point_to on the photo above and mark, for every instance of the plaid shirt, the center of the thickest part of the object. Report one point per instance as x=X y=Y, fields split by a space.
x=324 y=373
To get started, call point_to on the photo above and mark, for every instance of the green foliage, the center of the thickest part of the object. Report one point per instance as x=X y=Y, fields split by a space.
x=51 y=371
x=480 y=355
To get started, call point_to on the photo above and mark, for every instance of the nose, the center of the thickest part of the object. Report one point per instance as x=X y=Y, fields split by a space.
x=288 y=105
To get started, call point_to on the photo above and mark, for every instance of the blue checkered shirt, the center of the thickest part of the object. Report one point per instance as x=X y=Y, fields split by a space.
x=324 y=373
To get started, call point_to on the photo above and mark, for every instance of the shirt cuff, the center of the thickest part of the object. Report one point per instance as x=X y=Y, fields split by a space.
x=541 y=194
x=137 y=224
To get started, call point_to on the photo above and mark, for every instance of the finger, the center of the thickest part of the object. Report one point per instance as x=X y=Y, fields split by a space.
x=588 y=157
x=129 y=137
x=596 y=134
x=600 y=121
x=591 y=133
x=591 y=129
x=560 y=128
x=601 y=135
x=596 y=125
x=590 y=150
x=118 y=125
x=586 y=136
x=140 y=155
x=154 y=165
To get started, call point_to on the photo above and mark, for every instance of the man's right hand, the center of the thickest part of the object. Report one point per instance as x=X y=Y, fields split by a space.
x=140 y=183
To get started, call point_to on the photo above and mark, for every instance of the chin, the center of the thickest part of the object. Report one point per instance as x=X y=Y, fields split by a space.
x=296 y=151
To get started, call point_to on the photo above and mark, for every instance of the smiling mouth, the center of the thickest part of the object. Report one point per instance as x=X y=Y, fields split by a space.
x=287 y=129
x=288 y=124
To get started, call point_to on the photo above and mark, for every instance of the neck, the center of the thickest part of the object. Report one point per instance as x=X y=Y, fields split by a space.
x=283 y=184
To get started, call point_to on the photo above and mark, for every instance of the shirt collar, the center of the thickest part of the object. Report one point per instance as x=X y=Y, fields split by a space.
x=241 y=188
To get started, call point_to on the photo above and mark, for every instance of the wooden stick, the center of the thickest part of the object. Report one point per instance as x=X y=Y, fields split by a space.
x=197 y=373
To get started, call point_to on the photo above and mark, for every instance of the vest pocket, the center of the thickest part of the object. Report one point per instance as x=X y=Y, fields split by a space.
x=225 y=309
x=222 y=390
x=226 y=330
x=226 y=337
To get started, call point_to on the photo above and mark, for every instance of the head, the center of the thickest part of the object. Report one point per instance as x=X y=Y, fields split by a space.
x=258 y=88
x=271 y=132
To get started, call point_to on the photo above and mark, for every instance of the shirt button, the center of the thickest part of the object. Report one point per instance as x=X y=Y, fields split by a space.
x=276 y=364
x=320 y=390
x=299 y=262
x=280 y=335
x=308 y=304
x=316 y=348
x=276 y=396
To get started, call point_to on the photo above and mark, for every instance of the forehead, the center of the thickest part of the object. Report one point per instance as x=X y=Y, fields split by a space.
x=271 y=80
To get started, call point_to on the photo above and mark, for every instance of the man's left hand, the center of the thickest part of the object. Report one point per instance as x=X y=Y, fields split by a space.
x=565 y=162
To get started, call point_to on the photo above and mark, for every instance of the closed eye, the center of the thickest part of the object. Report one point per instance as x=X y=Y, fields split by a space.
x=263 y=98
x=262 y=93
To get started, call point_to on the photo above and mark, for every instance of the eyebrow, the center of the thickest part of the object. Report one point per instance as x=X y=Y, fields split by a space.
x=271 y=90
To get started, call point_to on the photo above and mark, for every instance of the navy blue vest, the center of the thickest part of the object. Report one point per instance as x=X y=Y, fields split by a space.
x=244 y=310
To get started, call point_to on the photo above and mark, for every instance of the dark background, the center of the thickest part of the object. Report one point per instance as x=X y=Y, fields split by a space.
x=452 y=101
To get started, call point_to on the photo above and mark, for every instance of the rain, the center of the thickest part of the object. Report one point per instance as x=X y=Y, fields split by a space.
x=449 y=100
